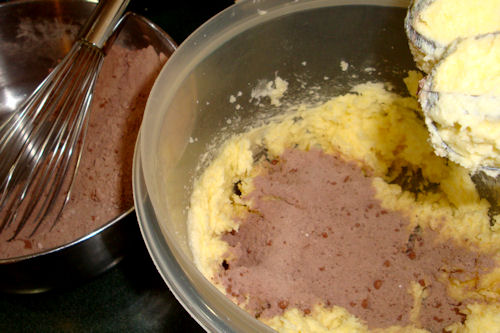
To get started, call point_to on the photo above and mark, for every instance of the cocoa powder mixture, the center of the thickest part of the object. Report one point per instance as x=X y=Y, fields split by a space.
x=102 y=189
x=316 y=234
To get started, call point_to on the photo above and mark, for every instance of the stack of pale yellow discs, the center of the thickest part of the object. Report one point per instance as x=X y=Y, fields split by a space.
x=457 y=43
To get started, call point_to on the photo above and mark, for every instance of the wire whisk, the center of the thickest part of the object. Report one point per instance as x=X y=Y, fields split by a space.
x=41 y=142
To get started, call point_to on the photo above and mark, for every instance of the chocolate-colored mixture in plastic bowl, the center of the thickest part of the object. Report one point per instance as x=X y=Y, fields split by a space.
x=283 y=180
x=97 y=223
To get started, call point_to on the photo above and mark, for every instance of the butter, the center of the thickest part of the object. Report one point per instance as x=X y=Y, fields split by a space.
x=432 y=25
x=461 y=103
x=442 y=21
x=471 y=67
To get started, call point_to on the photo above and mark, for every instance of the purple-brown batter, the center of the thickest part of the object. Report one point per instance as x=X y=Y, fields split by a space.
x=316 y=234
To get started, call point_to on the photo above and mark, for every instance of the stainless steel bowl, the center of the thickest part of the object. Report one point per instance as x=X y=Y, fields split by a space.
x=23 y=64
x=303 y=42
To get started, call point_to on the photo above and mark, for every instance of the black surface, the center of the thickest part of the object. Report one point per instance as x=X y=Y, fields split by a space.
x=131 y=297
x=180 y=18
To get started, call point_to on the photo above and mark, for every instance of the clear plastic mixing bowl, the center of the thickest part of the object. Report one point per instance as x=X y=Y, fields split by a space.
x=306 y=43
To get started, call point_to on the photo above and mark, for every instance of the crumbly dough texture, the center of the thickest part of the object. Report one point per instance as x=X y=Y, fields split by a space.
x=385 y=133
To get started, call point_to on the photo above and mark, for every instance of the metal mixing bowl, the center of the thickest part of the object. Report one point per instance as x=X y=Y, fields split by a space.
x=23 y=64
x=304 y=42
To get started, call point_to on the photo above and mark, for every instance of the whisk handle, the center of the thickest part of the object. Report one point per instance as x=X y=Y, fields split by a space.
x=103 y=21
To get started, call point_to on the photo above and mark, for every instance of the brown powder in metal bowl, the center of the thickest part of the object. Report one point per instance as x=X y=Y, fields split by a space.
x=103 y=186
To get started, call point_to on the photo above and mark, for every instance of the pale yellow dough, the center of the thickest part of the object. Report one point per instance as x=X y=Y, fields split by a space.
x=461 y=102
x=442 y=21
x=432 y=25
x=383 y=131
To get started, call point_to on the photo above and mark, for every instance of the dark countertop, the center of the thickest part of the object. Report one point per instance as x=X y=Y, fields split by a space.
x=131 y=297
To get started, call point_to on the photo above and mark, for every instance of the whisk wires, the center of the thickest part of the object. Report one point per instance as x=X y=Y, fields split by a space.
x=46 y=135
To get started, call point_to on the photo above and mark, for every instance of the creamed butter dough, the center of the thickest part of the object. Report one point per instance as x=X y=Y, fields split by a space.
x=432 y=25
x=461 y=102
x=383 y=131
